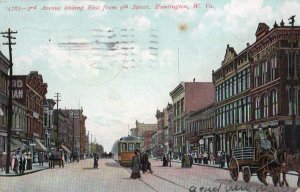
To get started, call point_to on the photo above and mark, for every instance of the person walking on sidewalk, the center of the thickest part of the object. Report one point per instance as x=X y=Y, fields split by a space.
x=148 y=164
x=29 y=162
x=95 y=160
x=40 y=158
x=212 y=159
x=135 y=166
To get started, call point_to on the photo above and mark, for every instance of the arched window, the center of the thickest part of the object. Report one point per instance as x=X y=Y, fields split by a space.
x=274 y=102
x=265 y=105
x=256 y=76
x=256 y=108
x=264 y=71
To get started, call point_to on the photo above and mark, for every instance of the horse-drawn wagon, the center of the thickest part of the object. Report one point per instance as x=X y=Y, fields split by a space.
x=261 y=158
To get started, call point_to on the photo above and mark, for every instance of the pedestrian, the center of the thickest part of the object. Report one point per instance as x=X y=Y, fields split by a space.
x=16 y=163
x=13 y=157
x=40 y=158
x=227 y=159
x=212 y=158
x=191 y=160
x=165 y=161
x=51 y=156
x=29 y=162
x=22 y=163
x=135 y=165
x=182 y=162
x=148 y=164
x=95 y=161
x=222 y=160
x=205 y=158
x=143 y=163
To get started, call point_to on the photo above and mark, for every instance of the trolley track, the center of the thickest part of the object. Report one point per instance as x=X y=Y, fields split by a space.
x=157 y=176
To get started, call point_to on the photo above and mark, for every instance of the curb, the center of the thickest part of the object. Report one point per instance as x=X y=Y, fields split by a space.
x=26 y=173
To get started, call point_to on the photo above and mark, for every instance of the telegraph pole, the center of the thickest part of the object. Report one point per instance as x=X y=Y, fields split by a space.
x=57 y=95
x=7 y=35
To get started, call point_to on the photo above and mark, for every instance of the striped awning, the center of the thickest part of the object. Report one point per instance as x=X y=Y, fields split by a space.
x=39 y=146
x=65 y=149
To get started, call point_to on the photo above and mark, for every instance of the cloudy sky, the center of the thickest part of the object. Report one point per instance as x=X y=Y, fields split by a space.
x=120 y=65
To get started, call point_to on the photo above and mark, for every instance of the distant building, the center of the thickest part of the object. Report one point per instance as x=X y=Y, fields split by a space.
x=48 y=108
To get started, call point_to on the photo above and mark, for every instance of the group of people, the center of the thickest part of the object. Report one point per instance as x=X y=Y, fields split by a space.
x=140 y=161
x=19 y=161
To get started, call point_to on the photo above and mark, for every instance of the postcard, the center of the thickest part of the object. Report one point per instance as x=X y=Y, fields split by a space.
x=149 y=95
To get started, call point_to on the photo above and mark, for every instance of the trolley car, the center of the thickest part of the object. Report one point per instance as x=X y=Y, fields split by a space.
x=126 y=147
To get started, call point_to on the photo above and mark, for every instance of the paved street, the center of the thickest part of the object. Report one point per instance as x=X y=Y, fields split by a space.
x=111 y=177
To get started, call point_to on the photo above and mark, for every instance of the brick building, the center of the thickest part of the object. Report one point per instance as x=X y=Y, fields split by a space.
x=188 y=97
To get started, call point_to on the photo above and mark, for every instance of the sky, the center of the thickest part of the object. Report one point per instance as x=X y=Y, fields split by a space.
x=121 y=65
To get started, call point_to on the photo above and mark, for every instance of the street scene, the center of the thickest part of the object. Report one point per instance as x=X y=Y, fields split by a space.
x=110 y=176
x=162 y=95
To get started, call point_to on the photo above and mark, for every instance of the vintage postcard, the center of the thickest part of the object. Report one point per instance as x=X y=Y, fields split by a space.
x=149 y=95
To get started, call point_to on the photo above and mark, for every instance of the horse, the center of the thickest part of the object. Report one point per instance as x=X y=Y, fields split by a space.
x=292 y=163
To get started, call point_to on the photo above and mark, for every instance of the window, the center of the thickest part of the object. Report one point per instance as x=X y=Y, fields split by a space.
x=234 y=85
x=256 y=76
x=248 y=78
x=130 y=146
x=293 y=98
x=137 y=146
x=274 y=103
x=291 y=64
x=264 y=70
x=124 y=146
x=273 y=68
x=256 y=108
x=45 y=119
x=240 y=111
x=265 y=105
x=244 y=80
x=239 y=81
x=248 y=109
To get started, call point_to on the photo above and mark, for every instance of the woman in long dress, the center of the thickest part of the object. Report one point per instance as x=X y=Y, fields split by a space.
x=135 y=166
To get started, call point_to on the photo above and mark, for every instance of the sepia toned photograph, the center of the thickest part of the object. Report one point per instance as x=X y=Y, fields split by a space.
x=149 y=95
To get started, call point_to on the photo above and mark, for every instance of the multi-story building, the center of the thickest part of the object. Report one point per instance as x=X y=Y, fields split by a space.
x=30 y=90
x=78 y=131
x=233 y=102
x=4 y=68
x=275 y=67
x=49 y=139
x=141 y=129
x=201 y=130
x=160 y=132
x=188 y=97
x=170 y=126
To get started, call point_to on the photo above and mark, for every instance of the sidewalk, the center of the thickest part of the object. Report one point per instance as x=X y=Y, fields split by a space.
x=35 y=168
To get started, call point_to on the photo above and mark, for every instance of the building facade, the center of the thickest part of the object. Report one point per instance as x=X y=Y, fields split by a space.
x=49 y=139
x=233 y=102
x=188 y=97
x=30 y=91
x=275 y=67
x=201 y=130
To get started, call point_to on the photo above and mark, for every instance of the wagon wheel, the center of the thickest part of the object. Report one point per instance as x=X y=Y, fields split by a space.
x=246 y=174
x=234 y=169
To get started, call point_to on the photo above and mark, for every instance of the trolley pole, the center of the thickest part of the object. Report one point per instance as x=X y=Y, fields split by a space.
x=7 y=35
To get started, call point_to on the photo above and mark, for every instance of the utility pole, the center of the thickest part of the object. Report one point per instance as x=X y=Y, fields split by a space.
x=7 y=35
x=57 y=95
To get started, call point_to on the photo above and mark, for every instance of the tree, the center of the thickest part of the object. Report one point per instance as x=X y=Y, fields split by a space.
x=97 y=148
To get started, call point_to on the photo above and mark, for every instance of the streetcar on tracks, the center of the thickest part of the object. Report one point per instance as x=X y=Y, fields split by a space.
x=126 y=147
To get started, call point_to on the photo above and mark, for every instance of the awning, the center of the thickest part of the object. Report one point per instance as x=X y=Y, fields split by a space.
x=39 y=146
x=193 y=140
x=16 y=144
x=65 y=149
